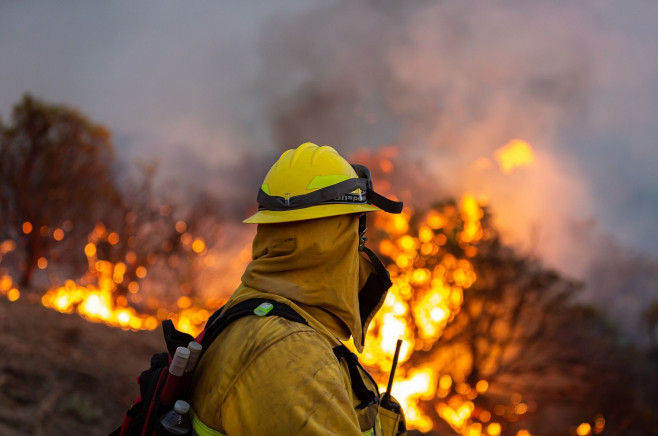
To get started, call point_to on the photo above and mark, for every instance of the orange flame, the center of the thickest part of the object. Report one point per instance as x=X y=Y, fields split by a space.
x=427 y=292
x=101 y=301
x=429 y=284
x=516 y=153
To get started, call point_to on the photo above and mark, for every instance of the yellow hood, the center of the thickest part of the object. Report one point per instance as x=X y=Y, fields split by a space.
x=316 y=264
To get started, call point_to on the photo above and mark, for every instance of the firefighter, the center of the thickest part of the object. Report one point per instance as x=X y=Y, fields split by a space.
x=273 y=376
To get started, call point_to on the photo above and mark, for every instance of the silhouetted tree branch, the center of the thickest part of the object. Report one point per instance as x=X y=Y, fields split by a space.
x=55 y=174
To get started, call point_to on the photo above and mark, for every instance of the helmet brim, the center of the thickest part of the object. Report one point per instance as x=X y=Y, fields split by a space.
x=308 y=213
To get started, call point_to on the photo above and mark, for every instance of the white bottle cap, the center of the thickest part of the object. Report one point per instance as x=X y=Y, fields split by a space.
x=182 y=407
x=179 y=362
x=195 y=352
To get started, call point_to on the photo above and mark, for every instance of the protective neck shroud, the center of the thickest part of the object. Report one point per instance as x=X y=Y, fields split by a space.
x=317 y=264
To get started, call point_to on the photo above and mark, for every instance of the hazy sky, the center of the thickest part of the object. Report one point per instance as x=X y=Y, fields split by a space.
x=206 y=85
x=161 y=75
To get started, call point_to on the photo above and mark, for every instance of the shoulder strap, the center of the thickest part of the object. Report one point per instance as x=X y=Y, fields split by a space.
x=363 y=394
x=255 y=306
x=221 y=319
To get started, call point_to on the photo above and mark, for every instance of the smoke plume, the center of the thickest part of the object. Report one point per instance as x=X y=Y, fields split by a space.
x=449 y=83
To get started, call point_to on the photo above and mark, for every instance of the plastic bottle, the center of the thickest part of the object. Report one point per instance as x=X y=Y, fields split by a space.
x=177 y=421
x=179 y=362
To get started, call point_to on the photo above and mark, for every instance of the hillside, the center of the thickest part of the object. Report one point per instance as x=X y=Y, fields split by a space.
x=62 y=375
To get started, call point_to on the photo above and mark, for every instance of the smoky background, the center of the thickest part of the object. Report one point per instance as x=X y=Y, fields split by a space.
x=215 y=93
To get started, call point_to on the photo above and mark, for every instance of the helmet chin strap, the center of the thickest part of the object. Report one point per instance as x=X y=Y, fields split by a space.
x=385 y=204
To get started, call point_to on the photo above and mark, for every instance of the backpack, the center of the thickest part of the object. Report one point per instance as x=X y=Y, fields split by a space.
x=143 y=417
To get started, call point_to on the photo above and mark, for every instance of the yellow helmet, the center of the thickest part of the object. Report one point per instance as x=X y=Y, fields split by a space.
x=315 y=182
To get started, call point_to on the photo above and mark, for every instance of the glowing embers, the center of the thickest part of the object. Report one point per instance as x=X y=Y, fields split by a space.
x=8 y=288
x=113 y=292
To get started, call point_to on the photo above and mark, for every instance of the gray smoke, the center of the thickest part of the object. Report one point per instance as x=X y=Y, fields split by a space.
x=215 y=91
x=448 y=83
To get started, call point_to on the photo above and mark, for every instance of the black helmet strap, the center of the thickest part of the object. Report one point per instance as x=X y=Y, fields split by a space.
x=339 y=193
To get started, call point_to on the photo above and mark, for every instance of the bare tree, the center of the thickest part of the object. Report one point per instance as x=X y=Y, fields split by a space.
x=55 y=179
x=159 y=240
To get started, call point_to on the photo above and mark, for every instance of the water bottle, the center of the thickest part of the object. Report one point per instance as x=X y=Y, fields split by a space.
x=176 y=421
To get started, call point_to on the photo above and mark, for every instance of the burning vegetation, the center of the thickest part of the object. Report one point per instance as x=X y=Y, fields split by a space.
x=457 y=334
x=491 y=344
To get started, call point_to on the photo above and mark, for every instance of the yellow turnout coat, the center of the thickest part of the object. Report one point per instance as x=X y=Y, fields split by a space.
x=272 y=376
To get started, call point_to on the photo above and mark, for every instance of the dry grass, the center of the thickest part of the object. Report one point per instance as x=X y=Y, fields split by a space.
x=62 y=375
